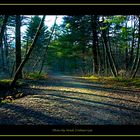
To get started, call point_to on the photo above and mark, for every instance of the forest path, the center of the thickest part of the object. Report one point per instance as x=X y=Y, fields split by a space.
x=64 y=99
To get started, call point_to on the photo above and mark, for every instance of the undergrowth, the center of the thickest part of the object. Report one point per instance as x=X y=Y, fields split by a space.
x=35 y=76
x=116 y=81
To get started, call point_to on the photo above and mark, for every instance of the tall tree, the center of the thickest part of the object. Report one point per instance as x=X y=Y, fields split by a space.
x=16 y=76
x=18 y=44
x=136 y=63
x=47 y=45
x=95 y=44
x=109 y=55
x=35 y=59
x=1 y=38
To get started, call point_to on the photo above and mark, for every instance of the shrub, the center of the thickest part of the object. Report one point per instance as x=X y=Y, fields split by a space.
x=35 y=75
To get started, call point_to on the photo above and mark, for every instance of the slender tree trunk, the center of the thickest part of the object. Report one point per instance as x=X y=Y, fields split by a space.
x=136 y=69
x=126 y=52
x=13 y=69
x=2 y=59
x=83 y=59
x=98 y=57
x=132 y=47
x=95 y=44
x=1 y=38
x=136 y=64
x=110 y=52
x=131 y=53
x=111 y=62
x=126 y=59
x=29 y=52
x=6 y=52
x=18 y=45
x=35 y=64
x=105 y=67
x=45 y=52
x=27 y=44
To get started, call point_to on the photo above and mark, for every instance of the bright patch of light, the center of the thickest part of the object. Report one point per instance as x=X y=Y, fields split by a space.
x=49 y=21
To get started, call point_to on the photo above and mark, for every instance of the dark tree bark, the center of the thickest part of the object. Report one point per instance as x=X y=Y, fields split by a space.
x=29 y=52
x=83 y=58
x=1 y=38
x=132 y=47
x=2 y=58
x=99 y=57
x=136 y=63
x=105 y=60
x=136 y=68
x=110 y=59
x=6 y=52
x=27 y=44
x=126 y=59
x=95 y=44
x=18 y=45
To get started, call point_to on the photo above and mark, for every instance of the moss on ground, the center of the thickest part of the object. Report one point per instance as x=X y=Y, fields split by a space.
x=5 y=81
x=36 y=76
x=116 y=81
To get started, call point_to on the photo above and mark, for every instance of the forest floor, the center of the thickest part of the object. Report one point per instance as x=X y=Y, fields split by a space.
x=66 y=100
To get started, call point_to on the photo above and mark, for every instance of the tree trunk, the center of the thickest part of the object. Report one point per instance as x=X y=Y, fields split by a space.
x=2 y=58
x=50 y=37
x=111 y=62
x=99 y=57
x=136 y=69
x=126 y=59
x=132 y=48
x=83 y=59
x=105 y=67
x=95 y=44
x=18 y=45
x=136 y=64
x=1 y=38
x=29 y=52
x=27 y=44
x=6 y=52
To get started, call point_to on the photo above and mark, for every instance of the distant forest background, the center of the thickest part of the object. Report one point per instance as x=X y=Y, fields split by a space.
x=82 y=45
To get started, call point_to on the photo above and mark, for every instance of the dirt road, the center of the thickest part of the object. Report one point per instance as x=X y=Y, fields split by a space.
x=64 y=100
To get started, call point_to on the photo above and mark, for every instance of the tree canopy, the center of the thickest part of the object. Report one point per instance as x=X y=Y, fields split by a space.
x=82 y=44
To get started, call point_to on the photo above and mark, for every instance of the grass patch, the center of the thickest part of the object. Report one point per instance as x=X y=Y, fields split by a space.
x=5 y=81
x=5 y=101
x=116 y=81
x=36 y=76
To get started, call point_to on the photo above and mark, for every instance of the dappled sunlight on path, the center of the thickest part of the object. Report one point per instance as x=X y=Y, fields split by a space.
x=71 y=100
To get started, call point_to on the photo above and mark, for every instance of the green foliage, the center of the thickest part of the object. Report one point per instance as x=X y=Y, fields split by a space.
x=104 y=28
x=35 y=76
x=6 y=101
x=5 y=81
x=71 y=45
x=117 y=19
x=40 y=47
x=116 y=81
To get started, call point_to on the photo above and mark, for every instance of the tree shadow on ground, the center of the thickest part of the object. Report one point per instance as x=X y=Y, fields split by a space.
x=77 y=92
x=122 y=113
x=112 y=107
x=95 y=102
x=27 y=114
x=83 y=85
